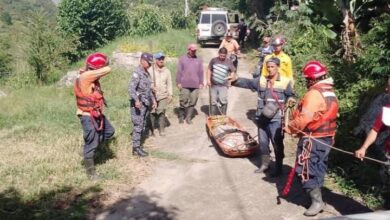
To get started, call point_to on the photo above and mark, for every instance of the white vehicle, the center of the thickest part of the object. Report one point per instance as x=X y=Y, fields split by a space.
x=214 y=23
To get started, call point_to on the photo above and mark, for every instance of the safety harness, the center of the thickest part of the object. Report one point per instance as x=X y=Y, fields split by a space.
x=93 y=103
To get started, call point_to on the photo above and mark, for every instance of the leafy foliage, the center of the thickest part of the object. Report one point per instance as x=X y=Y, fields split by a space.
x=46 y=47
x=94 y=22
x=148 y=19
x=5 y=58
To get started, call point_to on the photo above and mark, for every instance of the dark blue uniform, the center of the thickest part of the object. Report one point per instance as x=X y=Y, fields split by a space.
x=269 y=129
x=139 y=90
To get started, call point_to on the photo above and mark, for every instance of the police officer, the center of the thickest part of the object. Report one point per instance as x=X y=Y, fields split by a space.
x=142 y=100
x=315 y=122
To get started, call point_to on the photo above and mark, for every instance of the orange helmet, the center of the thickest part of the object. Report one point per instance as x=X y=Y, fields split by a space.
x=96 y=60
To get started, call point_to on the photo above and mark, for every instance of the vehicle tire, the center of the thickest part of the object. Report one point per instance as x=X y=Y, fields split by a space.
x=219 y=28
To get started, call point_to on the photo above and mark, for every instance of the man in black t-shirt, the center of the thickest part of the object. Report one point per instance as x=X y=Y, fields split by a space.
x=218 y=70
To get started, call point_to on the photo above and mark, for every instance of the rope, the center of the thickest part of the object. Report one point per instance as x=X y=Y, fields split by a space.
x=340 y=150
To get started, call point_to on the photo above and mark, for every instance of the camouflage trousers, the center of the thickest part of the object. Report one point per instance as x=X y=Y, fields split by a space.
x=138 y=118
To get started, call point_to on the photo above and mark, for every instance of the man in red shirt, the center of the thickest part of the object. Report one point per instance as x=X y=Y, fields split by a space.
x=382 y=122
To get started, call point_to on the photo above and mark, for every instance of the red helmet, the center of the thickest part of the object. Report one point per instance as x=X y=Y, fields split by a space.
x=96 y=60
x=314 y=69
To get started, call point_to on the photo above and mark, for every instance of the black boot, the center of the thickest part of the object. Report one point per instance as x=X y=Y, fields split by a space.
x=138 y=151
x=189 y=113
x=265 y=160
x=278 y=168
x=223 y=109
x=161 y=124
x=317 y=205
x=214 y=110
x=90 y=169
x=181 y=115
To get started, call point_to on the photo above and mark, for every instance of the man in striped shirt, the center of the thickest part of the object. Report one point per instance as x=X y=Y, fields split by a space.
x=219 y=69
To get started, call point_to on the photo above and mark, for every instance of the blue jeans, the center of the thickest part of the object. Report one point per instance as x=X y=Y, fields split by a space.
x=271 y=131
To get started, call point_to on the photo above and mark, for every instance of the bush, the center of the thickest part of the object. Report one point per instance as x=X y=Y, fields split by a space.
x=94 y=22
x=179 y=21
x=46 y=48
x=147 y=20
x=5 y=58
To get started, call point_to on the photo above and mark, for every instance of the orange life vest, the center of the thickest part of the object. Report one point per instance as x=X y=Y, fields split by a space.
x=93 y=103
x=324 y=122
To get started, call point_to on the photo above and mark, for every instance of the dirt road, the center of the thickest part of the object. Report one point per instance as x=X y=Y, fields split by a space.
x=199 y=183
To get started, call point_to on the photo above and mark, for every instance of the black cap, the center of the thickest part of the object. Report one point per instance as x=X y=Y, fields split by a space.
x=273 y=60
x=147 y=56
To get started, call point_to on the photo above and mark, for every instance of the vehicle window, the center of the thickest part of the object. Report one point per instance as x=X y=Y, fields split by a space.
x=218 y=17
x=233 y=18
x=205 y=19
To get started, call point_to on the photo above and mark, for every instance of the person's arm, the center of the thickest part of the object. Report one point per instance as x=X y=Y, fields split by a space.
x=91 y=76
x=289 y=69
x=252 y=84
x=371 y=137
x=133 y=84
x=312 y=103
x=222 y=44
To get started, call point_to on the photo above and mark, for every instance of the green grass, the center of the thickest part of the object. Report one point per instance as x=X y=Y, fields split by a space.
x=41 y=171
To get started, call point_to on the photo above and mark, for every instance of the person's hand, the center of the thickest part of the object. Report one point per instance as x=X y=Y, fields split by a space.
x=208 y=83
x=201 y=86
x=232 y=78
x=287 y=130
x=138 y=104
x=291 y=102
x=360 y=153
x=179 y=86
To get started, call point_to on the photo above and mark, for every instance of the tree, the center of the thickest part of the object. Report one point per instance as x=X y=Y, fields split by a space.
x=95 y=22
x=46 y=48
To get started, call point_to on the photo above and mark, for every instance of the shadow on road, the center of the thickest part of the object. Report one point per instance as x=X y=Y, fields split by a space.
x=139 y=206
x=343 y=204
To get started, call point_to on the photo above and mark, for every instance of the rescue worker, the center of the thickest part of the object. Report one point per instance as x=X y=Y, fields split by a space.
x=286 y=69
x=314 y=122
x=162 y=83
x=232 y=47
x=219 y=68
x=274 y=91
x=189 y=79
x=90 y=105
x=142 y=100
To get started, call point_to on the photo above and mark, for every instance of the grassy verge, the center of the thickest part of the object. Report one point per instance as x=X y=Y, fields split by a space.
x=41 y=171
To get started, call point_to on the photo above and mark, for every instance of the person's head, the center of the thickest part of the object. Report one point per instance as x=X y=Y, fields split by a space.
x=146 y=60
x=277 y=44
x=159 y=59
x=266 y=41
x=313 y=72
x=229 y=36
x=222 y=53
x=272 y=65
x=191 y=49
x=96 y=61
